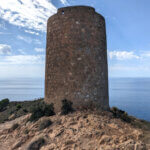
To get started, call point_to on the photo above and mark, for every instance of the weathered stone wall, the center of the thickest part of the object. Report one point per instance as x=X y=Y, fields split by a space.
x=76 y=58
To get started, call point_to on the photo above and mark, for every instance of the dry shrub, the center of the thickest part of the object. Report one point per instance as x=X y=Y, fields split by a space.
x=44 y=124
x=66 y=107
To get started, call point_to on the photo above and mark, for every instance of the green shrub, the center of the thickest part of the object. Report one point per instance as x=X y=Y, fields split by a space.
x=49 y=109
x=18 y=107
x=37 y=113
x=41 y=110
x=25 y=110
x=125 y=117
x=66 y=107
x=44 y=124
x=3 y=104
x=114 y=109
x=12 y=109
x=117 y=113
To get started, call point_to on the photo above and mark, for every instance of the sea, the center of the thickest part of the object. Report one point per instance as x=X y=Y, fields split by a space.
x=129 y=94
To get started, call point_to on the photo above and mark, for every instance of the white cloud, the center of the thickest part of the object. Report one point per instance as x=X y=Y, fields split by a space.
x=25 y=39
x=39 y=49
x=119 y=67
x=65 y=2
x=2 y=25
x=145 y=54
x=38 y=41
x=126 y=55
x=22 y=66
x=21 y=51
x=3 y=33
x=122 y=55
x=129 y=64
x=22 y=59
x=28 y=13
x=31 y=32
x=29 y=39
x=20 y=71
x=123 y=70
x=5 y=49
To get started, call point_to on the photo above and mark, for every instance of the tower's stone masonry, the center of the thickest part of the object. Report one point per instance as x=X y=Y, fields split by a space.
x=76 y=58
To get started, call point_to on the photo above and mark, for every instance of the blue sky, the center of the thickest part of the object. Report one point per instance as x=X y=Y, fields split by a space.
x=23 y=35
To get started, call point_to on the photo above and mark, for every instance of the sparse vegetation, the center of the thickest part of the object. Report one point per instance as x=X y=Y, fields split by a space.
x=25 y=110
x=117 y=113
x=66 y=107
x=44 y=124
x=41 y=110
x=18 y=107
x=36 y=145
x=11 y=109
x=36 y=114
x=3 y=104
x=49 y=109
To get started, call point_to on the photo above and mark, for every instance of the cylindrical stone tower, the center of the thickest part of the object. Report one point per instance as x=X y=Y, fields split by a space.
x=76 y=58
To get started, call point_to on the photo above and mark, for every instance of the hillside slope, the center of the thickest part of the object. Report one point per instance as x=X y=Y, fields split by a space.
x=81 y=130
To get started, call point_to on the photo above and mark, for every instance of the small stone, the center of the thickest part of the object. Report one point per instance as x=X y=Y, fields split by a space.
x=17 y=144
x=60 y=132
x=140 y=147
x=77 y=22
x=105 y=139
x=69 y=142
x=12 y=117
x=79 y=58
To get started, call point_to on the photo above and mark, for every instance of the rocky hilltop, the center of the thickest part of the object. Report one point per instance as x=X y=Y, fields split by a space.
x=33 y=125
x=80 y=130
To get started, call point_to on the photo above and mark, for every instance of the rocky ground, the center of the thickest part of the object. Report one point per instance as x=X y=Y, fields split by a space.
x=81 y=130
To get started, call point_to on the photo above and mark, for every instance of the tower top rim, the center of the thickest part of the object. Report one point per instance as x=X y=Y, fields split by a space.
x=69 y=8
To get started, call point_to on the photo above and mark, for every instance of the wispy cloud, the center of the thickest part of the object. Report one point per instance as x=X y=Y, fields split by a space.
x=122 y=55
x=22 y=51
x=145 y=54
x=2 y=24
x=25 y=39
x=31 y=32
x=37 y=41
x=22 y=59
x=24 y=71
x=39 y=49
x=22 y=66
x=5 y=49
x=129 y=68
x=65 y=2
x=128 y=55
x=129 y=63
x=3 y=33
x=29 y=40
x=28 y=13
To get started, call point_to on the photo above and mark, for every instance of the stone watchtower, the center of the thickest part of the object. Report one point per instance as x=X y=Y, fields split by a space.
x=76 y=58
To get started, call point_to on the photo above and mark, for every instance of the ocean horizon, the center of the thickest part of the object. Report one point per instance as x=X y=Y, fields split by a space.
x=129 y=94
